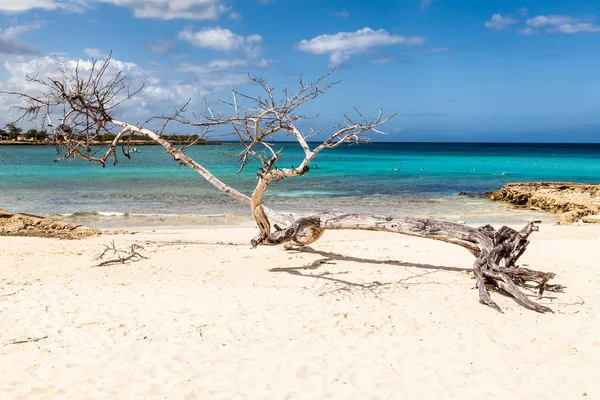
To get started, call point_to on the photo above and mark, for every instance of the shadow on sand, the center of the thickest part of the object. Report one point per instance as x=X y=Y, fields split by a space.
x=330 y=258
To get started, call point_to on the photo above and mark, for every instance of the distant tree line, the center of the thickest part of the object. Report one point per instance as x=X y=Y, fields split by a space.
x=12 y=132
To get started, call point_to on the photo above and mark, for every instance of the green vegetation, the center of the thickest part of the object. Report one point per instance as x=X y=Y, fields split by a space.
x=12 y=132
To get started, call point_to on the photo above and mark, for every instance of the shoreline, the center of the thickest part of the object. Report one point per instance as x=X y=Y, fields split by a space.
x=505 y=215
x=539 y=202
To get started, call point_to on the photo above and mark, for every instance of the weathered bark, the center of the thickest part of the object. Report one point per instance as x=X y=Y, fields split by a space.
x=496 y=251
x=87 y=106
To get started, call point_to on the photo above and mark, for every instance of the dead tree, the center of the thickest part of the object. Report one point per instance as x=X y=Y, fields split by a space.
x=87 y=107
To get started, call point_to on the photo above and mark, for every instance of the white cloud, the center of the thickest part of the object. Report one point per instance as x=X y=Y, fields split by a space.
x=223 y=73
x=220 y=65
x=562 y=24
x=262 y=63
x=500 y=22
x=253 y=46
x=92 y=52
x=159 y=46
x=213 y=66
x=18 y=30
x=25 y=5
x=173 y=9
x=10 y=43
x=342 y=45
x=18 y=6
x=47 y=67
x=433 y=50
x=527 y=31
x=543 y=20
x=551 y=23
x=158 y=96
x=212 y=38
x=341 y=14
x=580 y=27
x=235 y=16
x=223 y=40
x=160 y=9
x=381 y=61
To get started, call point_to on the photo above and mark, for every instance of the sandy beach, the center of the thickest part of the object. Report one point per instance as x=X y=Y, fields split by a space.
x=359 y=315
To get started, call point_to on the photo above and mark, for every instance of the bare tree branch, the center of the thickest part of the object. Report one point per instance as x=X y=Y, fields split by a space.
x=121 y=256
x=88 y=103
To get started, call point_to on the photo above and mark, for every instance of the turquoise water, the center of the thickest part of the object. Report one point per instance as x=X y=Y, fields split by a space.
x=421 y=179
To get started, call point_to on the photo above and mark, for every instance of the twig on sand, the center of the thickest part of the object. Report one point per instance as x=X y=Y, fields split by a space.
x=28 y=340
x=122 y=256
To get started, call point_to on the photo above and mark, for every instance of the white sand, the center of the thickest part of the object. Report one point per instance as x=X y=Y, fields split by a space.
x=212 y=320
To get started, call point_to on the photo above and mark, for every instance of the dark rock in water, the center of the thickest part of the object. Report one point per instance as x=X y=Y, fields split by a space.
x=484 y=195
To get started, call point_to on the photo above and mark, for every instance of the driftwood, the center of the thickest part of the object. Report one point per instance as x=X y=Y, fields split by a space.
x=87 y=105
x=28 y=340
x=496 y=251
x=121 y=256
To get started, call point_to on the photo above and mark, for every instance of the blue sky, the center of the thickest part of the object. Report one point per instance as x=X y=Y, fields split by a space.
x=452 y=70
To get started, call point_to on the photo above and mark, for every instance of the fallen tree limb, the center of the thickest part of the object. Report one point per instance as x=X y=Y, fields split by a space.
x=88 y=106
x=496 y=251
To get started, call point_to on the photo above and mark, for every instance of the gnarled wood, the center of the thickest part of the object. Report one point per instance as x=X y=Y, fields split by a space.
x=88 y=105
x=496 y=251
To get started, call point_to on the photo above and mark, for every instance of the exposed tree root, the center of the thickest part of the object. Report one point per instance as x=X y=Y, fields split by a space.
x=496 y=251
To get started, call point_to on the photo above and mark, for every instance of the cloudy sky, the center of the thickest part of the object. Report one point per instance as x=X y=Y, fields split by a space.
x=452 y=69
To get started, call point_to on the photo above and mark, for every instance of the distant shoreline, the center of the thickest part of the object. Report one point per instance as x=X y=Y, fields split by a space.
x=133 y=143
x=224 y=142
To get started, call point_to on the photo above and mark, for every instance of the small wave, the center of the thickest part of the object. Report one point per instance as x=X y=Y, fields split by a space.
x=179 y=215
x=112 y=214
x=304 y=193
x=154 y=215
x=119 y=214
x=84 y=214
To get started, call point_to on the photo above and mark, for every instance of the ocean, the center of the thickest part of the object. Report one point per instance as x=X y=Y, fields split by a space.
x=413 y=179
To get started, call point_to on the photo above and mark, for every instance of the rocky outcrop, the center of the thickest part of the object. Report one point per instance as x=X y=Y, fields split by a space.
x=12 y=224
x=573 y=201
x=591 y=219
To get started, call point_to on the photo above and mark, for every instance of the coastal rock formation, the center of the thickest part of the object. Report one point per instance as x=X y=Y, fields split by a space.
x=573 y=201
x=12 y=224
